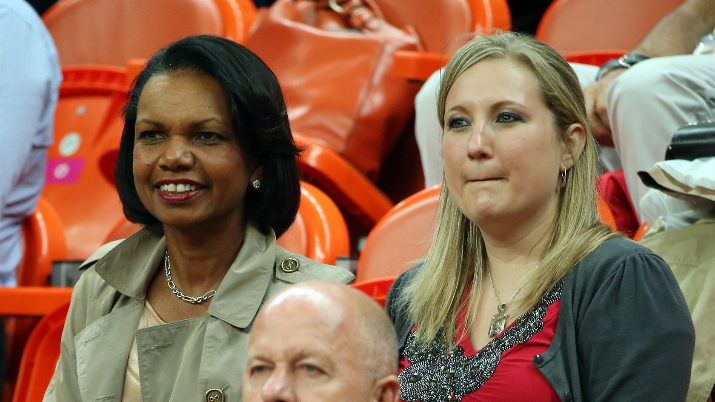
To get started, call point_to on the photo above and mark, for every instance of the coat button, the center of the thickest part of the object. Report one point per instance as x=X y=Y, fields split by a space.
x=538 y=360
x=290 y=265
x=214 y=395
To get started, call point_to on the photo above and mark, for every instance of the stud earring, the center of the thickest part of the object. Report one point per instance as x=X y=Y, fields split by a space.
x=256 y=184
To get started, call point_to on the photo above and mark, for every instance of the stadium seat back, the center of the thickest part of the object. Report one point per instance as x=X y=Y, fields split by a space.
x=571 y=26
x=40 y=357
x=88 y=122
x=345 y=185
x=319 y=231
x=43 y=242
x=400 y=238
x=438 y=21
x=110 y=32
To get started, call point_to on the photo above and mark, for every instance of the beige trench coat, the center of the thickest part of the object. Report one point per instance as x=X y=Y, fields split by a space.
x=689 y=252
x=178 y=361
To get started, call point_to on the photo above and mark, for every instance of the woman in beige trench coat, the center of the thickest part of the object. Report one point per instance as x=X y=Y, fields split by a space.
x=207 y=164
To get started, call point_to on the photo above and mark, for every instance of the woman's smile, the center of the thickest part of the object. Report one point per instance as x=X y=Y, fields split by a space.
x=181 y=190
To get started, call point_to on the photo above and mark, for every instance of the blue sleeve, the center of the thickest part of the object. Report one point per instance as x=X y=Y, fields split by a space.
x=29 y=83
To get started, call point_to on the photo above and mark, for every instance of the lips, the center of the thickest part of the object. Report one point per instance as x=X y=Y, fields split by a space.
x=177 y=190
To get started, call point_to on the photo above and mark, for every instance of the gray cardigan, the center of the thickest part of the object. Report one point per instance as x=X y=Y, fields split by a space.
x=624 y=331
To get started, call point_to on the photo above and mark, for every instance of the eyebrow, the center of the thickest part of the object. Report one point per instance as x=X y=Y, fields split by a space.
x=260 y=358
x=507 y=103
x=494 y=106
x=300 y=355
x=456 y=108
x=193 y=125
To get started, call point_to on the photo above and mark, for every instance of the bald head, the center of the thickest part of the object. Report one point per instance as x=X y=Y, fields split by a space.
x=346 y=337
x=353 y=312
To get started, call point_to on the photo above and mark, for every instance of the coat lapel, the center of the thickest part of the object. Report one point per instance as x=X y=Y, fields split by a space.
x=243 y=289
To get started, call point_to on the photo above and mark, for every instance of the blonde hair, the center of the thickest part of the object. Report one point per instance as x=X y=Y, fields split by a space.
x=457 y=258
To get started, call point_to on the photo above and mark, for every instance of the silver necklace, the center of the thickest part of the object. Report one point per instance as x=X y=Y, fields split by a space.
x=176 y=291
x=498 y=322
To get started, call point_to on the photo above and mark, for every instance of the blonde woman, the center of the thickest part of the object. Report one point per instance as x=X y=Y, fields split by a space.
x=524 y=294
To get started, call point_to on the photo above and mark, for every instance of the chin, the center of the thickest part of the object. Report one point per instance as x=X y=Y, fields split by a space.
x=180 y=222
x=477 y=214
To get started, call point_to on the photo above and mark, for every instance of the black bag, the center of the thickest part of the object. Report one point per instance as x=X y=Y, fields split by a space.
x=692 y=141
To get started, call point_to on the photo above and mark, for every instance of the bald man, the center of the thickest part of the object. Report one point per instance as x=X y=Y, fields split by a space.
x=321 y=341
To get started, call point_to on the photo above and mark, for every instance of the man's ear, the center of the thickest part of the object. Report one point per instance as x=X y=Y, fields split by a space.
x=387 y=389
x=572 y=144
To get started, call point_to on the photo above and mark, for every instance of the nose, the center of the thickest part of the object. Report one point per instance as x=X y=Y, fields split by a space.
x=479 y=142
x=278 y=388
x=177 y=154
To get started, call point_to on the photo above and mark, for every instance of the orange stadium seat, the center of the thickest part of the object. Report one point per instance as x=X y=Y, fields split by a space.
x=122 y=229
x=87 y=123
x=401 y=237
x=346 y=185
x=438 y=22
x=32 y=301
x=43 y=242
x=111 y=32
x=572 y=26
x=40 y=356
x=319 y=231
x=20 y=308
x=376 y=288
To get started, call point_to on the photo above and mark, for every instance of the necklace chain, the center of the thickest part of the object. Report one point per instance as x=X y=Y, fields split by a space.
x=499 y=303
x=179 y=293
x=499 y=319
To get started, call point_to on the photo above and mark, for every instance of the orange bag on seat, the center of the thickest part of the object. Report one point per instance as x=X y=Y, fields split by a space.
x=334 y=64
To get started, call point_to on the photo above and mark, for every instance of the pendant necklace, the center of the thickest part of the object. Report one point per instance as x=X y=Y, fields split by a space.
x=179 y=293
x=498 y=322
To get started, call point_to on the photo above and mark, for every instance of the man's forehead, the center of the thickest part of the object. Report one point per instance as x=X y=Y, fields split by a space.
x=294 y=333
x=306 y=301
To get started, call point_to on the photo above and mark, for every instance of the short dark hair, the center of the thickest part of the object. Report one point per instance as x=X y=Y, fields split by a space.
x=259 y=120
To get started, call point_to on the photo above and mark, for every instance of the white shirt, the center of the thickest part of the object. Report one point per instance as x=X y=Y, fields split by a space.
x=30 y=77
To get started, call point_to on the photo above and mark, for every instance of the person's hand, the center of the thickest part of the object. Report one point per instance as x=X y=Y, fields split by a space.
x=597 y=107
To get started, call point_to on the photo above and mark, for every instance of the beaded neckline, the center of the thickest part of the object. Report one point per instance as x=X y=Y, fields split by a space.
x=437 y=373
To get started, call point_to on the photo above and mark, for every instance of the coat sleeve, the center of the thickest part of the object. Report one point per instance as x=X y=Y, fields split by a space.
x=635 y=335
x=64 y=385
